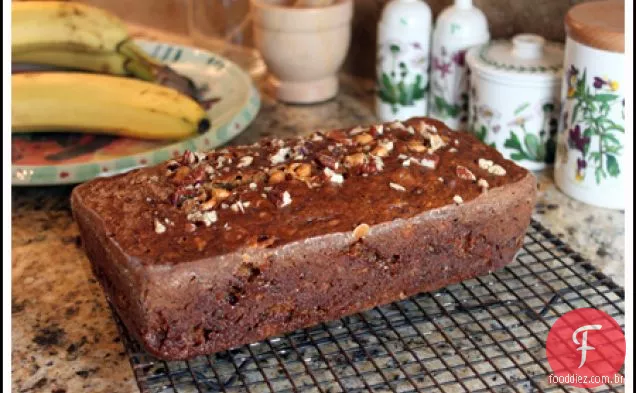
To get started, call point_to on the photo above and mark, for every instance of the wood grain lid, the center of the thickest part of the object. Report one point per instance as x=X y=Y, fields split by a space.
x=599 y=24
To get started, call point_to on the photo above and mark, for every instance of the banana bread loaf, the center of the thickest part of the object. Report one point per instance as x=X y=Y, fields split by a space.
x=213 y=250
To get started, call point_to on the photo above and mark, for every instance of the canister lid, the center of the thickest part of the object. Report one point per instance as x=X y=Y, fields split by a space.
x=528 y=58
x=599 y=24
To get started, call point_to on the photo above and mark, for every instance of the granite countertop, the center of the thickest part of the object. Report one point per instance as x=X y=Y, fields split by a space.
x=64 y=337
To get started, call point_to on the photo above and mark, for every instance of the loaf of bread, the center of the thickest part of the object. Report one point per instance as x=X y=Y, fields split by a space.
x=213 y=250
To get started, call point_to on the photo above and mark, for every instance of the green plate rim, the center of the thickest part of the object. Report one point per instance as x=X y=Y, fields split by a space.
x=219 y=134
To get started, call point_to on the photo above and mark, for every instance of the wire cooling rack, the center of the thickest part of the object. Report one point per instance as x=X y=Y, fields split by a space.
x=484 y=334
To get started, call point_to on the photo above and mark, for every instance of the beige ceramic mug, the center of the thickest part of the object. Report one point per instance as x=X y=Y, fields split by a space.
x=303 y=47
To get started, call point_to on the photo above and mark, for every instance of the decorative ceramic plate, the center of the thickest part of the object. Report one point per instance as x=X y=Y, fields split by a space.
x=66 y=158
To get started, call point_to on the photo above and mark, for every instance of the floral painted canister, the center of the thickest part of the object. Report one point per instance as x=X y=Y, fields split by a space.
x=404 y=36
x=458 y=28
x=514 y=97
x=590 y=164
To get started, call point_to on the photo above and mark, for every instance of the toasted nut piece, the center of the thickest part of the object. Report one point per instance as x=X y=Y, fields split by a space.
x=209 y=204
x=363 y=139
x=199 y=243
x=303 y=170
x=416 y=146
x=181 y=173
x=355 y=159
x=276 y=177
x=464 y=173
x=360 y=231
x=220 y=193
x=380 y=151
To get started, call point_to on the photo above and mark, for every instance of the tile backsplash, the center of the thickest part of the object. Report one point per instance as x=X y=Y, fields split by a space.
x=505 y=17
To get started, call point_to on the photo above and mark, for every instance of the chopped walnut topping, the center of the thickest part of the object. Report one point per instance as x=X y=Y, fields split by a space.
x=440 y=179
x=245 y=162
x=436 y=142
x=387 y=144
x=355 y=160
x=224 y=206
x=403 y=157
x=452 y=150
x=154 y=178
x=159 y=227
x=416 y=146
x=410 y=130
x=397 y=187
x=357 y=130
x=380 y=151
x=220 y=161
x=333 y=176
x=429 y=162
x=379 y=164
x=209 y=204
x=397 y=125
x=209 y=169
x=425 y=127
x=280 y=156
x=363 y=139
x=317 y=138
x=458 y=200
x=276 y=177
x=484 y=164
x=220 y=193
x=379 y=129
x=238 y=206
x=207 y=218
x=483 y=184
x=253 y=186
x=200 y=156
x=497 y=170
x=407 y=162
x=287 y=200
x=360 y=231
x=464 y=173
x=456 y=142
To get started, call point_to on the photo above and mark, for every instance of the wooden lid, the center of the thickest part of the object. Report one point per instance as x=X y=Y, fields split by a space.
x=599 y=24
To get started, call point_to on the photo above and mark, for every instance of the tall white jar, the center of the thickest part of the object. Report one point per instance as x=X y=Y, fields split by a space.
x=404 y=36
x=590 y=164
x=458 y=28
x=514 y=97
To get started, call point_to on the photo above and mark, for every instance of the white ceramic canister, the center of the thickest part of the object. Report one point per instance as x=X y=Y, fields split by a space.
x=404 y=35
x=590 y=164
x=458 y=28
x=514 y=97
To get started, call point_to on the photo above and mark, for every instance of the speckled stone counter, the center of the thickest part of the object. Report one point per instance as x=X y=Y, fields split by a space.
x=64 y=337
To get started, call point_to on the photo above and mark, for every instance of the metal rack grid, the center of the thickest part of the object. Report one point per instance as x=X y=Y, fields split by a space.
x=484 y=334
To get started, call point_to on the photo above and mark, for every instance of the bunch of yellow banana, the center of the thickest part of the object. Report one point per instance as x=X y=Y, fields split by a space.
x=82 y=37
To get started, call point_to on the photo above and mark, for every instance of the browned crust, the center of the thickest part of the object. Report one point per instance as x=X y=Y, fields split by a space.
x=209 y=305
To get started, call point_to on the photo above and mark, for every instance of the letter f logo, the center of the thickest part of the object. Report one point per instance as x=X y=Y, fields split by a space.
x=584 y=347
